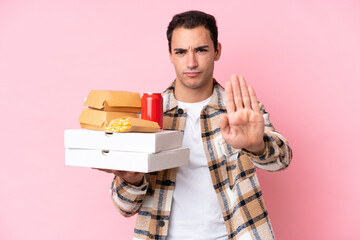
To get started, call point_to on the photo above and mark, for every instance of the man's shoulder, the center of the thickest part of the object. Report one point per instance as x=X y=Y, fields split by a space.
x=169 y=89
x=218 y=97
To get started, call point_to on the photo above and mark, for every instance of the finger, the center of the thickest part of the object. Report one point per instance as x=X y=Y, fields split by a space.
x=244 y=92
x=236 y=91
x=229 y=98
x=254 y=100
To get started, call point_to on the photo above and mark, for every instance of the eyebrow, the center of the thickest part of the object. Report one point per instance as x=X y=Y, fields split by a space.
x=197 y=48
x=202 y=47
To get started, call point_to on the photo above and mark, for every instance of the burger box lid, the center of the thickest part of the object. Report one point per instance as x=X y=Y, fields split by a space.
x=127 y=161
x=126 y=141
x=116 y=101
x=99 y=120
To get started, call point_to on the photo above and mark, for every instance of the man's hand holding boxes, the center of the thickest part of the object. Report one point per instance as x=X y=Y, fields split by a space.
x=114 y=137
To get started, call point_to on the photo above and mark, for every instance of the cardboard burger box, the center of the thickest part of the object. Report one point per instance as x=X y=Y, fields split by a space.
x=104 y=106
x=99 y=120
x=114 y=101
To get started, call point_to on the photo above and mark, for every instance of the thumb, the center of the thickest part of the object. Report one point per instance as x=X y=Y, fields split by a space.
x=224 y=124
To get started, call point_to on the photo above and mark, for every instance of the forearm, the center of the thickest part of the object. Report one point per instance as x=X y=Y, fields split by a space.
x=127 y=198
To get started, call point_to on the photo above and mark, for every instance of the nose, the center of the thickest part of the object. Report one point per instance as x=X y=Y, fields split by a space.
x=191 y=61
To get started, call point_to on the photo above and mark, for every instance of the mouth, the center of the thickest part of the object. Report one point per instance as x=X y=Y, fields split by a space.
x=192 y=74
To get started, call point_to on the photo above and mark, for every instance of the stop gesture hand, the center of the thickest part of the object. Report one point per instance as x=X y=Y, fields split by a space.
x=243 y=126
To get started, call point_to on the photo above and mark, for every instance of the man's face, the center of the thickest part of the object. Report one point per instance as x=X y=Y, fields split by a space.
x=193 y=56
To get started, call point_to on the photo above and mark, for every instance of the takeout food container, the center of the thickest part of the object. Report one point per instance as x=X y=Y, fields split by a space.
x=129 y=141
x=127 y=161
x=114 y=101
x=99 y=120
x=130 y=124
x=129 y=151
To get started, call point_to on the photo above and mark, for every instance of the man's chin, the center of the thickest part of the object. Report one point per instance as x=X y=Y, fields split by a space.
x=192 y=83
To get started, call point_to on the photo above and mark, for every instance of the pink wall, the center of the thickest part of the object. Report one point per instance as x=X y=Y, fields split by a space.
x=302 y=57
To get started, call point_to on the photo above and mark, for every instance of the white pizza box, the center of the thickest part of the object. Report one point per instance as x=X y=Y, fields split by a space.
x=126 y=141
x=127 y=161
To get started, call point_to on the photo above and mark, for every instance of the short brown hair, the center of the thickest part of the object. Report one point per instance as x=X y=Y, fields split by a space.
x=193 y=19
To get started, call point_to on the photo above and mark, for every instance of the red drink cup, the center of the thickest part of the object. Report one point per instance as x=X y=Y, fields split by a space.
x=152 y=108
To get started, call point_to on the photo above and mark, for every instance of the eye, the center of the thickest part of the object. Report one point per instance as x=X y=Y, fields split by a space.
x=201 y=50
x=179 y=52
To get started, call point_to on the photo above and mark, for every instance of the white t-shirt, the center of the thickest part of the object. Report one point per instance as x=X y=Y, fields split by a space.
x=195 y=212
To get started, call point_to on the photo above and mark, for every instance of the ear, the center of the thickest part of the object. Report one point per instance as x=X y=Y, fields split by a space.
x=218 y=52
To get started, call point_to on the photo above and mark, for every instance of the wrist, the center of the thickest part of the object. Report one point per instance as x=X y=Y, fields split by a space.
x=134 y=182
x=257 y=149
x=138 y=183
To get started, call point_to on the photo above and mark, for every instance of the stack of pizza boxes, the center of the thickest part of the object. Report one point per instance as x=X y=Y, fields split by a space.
x=93 y=146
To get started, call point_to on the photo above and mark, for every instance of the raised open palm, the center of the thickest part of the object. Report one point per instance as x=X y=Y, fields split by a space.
x=243 y=126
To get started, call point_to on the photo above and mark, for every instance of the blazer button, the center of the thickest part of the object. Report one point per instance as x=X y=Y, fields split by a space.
x=180 y=111
x=161 y=223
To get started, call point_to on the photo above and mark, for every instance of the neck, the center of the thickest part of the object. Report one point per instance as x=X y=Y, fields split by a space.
x=192 y=95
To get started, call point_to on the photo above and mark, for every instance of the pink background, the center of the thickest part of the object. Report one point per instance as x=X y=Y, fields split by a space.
x=302 y=58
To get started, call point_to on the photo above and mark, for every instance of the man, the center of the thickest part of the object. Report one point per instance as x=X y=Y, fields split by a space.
x=217 y=196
